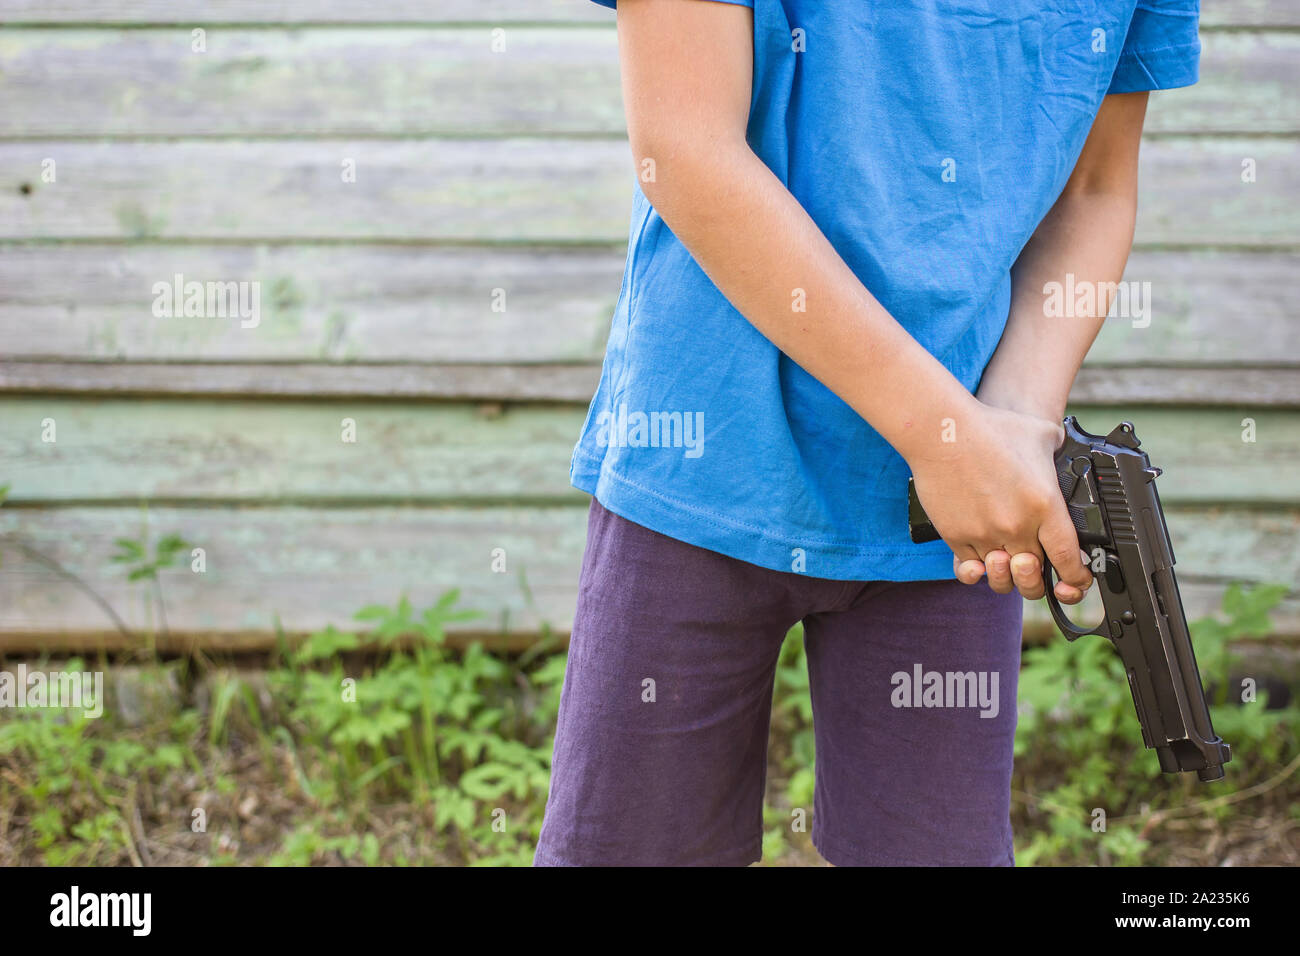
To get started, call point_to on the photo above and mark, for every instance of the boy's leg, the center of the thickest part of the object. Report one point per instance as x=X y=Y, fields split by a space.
x=661 y=745
x=907 y=774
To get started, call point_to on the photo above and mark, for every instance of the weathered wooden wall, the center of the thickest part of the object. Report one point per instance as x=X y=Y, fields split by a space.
x=476 y=171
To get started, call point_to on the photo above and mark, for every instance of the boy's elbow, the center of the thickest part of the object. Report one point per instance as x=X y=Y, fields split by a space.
x=678 y=167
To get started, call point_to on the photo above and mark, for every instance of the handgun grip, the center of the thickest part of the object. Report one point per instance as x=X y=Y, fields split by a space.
x=918 y=522
x=1085 y=515
x=1079 y=494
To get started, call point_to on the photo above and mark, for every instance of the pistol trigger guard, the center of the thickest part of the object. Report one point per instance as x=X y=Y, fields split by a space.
x=1071 y=630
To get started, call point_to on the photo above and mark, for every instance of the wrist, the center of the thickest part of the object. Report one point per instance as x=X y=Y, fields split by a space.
x=937 y=430
x=1022 y=399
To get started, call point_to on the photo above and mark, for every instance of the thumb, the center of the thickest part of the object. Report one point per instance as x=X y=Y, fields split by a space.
x=1061 y=546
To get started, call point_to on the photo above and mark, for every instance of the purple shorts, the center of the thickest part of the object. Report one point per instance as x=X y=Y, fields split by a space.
x=661 y=747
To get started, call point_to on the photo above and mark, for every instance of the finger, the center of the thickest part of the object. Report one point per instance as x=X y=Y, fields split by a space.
x=967 y=569
x=1027 y=572
x=1086 y=559
x=997 y=564
x=969 y=572
x=1068 y=594
x=1061 y=545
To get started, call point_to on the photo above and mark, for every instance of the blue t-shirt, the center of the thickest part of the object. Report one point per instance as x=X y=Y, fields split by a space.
x=927 y=140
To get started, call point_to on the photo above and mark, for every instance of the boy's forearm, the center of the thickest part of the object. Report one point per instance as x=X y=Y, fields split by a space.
x=772 y=262
x=1083 y=243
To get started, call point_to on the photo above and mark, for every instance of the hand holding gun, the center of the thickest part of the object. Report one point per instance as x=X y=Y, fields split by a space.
x=1109 y=488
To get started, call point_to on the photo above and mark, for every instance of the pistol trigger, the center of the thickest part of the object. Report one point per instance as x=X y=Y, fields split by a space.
x=1067 y=627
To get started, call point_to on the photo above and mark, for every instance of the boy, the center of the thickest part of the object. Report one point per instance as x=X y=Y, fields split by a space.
x=845 y=219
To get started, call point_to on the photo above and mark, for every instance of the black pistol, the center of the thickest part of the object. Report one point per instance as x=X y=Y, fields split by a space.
x=1110 y=491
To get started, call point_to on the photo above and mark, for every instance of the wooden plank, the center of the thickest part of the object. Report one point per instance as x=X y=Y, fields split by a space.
x=428 y=81
x=290 y=451
x=311 y=82
x=308 y=568
x=113 y=450
x=1259 y=546
x=1252 y=387
x=198 y=12
x=1214 y=13
x=1192 y=191
x=1169 y=386
x=509 y=190
x=1207 y=307
x=397 y=303
x=388 y=303
x=1236 y=69
x=526 y=383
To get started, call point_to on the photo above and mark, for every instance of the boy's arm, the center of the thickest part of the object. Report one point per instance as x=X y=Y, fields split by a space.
x=687 y=74
x=1088 y=233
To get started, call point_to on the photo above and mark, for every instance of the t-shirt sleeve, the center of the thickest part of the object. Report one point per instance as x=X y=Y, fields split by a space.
x=739 y=3
x=1161 y=50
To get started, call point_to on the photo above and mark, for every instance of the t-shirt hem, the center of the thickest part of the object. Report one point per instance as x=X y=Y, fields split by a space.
x=715 y=532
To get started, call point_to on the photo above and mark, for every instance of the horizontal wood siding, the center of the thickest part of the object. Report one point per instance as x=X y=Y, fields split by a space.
x=453 y=302
x=1214 y=13
x=527 y=189
x=309 y=567
x=450 y=80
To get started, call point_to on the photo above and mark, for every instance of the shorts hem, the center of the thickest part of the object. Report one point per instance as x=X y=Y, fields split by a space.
x=844 y=853
x=753 y=853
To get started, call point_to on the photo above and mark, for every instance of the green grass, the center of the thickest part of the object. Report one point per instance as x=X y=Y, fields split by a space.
x=419 y=754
